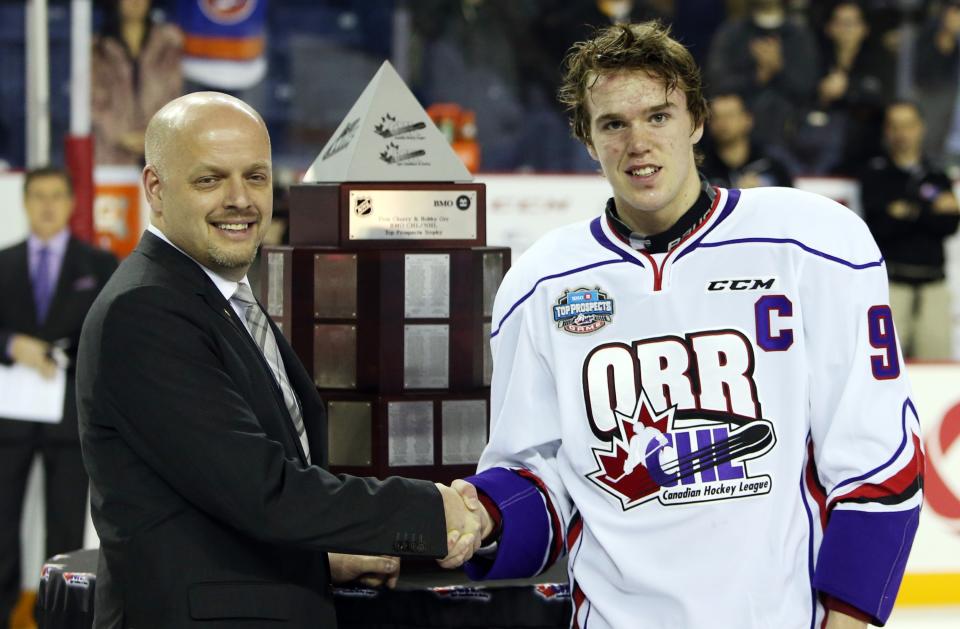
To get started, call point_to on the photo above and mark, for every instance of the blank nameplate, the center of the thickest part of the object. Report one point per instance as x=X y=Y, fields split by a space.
x=349 y=430
x=335 y=356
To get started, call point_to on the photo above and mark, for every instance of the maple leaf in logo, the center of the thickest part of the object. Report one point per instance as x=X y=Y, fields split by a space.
x=621 y=466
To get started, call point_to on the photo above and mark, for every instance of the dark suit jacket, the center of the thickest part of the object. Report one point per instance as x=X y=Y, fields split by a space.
x=207 y=513
x=84 y=271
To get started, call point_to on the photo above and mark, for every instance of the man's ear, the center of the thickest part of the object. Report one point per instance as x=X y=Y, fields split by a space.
x=153 y=188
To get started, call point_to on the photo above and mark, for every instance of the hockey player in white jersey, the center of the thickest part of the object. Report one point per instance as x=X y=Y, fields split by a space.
x=698 y=396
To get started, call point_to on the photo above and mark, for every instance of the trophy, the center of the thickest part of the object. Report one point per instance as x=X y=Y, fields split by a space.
x=386 y=291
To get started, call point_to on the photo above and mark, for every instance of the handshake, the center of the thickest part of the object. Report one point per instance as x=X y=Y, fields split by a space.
x=468 y=522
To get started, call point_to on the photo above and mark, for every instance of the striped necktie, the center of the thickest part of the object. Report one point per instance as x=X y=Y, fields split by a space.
x=263 y=336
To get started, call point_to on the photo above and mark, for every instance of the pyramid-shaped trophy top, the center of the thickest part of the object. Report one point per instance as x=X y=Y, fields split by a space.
x=387 y=136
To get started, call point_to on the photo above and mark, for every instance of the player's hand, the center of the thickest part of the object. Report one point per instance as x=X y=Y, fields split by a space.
x=470 y=498
x=34 y=353
x=946 y=203
x=370 y=570
x=838 y=620
x=463 y=528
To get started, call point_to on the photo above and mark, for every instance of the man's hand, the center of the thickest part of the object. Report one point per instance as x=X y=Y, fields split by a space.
x=838 y=620
x=833 y=86
x=34 y=353
x=946 y=203
x=370 y=570
x=767 y=52
x=470 y=498
x=464 y=528
x=903 y=210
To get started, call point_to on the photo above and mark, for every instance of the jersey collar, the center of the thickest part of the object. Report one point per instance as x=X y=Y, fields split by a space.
x=691 y=220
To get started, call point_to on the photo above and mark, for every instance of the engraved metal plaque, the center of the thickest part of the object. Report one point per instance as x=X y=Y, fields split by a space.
x=335 y=356
x=426 y=285
x=487 y=356
x=413 y=215
x=464 y=431
x=349 y=428
x=275 y=284
x=335 y=285
x=492 y=276
x=410 y=433
x=426 y=356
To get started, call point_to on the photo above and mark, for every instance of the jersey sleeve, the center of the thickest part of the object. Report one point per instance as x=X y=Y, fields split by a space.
x=867 y=458
x=518 y=469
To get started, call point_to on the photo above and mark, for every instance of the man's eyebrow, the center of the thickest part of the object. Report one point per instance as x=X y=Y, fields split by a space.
x=649 y=110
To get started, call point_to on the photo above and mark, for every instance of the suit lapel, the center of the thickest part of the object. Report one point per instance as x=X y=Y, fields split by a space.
x=195 y=279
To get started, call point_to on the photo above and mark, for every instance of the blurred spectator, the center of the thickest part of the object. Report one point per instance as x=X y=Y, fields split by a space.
x=857 y=79
x=471 y=53
x=770 y=58
x=937 y=74
x=910 y=208
x=49 y=282
x=731 y=159
x=136 y=70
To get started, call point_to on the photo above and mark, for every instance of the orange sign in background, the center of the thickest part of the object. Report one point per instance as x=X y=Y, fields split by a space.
x=118 y=209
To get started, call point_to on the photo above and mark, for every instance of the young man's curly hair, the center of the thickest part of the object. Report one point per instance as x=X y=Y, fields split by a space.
x=647 y=47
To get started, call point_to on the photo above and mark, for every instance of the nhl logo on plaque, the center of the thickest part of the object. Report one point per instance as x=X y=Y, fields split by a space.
x=363 y=206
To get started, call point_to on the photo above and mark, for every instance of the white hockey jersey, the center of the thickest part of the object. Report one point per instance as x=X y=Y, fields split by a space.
x=717 y=435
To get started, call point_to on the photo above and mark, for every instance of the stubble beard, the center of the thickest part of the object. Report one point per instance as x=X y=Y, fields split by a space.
x=232 y=259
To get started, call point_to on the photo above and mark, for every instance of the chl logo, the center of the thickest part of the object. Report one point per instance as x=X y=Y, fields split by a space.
x=679 y=418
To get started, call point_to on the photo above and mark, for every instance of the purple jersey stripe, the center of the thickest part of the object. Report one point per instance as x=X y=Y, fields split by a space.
x=813 y=592
x=733 y=196
x=907 y=404
x=544 y=279
x=791 y=241
x=526 y=533
x=863 y=557
x=597 y=230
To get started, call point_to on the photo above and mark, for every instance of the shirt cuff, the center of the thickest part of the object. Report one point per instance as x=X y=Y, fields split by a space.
x=836 y=605
x=494 y=512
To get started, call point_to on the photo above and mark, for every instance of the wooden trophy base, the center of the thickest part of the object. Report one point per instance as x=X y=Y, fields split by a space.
x=387 y=321
x=433 y=436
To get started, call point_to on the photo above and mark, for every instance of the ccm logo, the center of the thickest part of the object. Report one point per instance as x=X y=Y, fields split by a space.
x=746 y=284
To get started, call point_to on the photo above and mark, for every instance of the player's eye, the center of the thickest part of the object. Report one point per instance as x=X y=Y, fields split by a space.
x=613 y=125
x=659 y=118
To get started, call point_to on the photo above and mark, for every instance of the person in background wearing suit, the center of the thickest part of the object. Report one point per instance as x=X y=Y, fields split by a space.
x=48 y=283
x=203 y=434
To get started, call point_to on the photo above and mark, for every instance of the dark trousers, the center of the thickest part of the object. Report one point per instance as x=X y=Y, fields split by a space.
x=65 y=493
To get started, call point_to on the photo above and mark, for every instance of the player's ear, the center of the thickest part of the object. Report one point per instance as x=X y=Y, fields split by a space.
x=697 y=134
x=591 y=150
